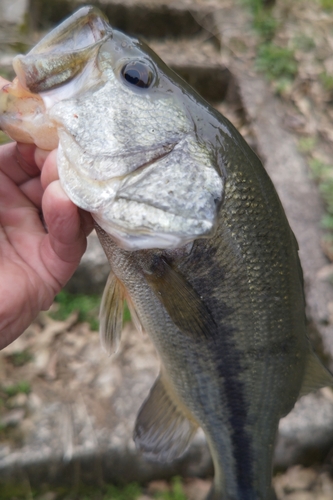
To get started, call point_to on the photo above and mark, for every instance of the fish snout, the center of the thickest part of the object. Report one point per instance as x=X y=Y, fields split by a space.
x=22 y=117
x=64 y=53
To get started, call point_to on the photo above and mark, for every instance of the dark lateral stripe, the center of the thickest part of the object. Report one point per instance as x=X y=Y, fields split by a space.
x=209 y=280
x=228 y=362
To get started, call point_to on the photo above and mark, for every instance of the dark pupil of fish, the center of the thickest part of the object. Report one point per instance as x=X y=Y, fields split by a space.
x=137 y=74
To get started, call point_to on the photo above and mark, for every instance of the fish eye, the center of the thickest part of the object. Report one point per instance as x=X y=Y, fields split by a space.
x=138 y=74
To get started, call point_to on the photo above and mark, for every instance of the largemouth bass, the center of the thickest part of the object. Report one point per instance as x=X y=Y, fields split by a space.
x=197 y=240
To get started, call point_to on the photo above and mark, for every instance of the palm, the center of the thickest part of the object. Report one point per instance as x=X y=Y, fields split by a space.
x=34 y=263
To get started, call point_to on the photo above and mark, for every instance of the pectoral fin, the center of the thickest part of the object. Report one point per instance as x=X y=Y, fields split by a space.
x=111 y=314
x=134 y=315
x=162 y=431
x=183 y=304
x=316 y=375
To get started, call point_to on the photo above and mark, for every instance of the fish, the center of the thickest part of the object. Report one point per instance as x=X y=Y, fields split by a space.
x=197 y=239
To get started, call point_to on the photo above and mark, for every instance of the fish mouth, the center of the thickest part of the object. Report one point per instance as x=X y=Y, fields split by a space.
x=110 y=166
x=154 y=156
x=62 y=54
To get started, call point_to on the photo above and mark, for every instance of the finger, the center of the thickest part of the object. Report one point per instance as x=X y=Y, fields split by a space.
x=87 y=222
x=65 y=244
x=11 y=195
x=26 y=157
x=40 y=157
x=33 y=190
x=50 y=170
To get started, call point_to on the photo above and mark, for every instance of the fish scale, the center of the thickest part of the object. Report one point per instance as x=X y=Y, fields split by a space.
x=197 y=240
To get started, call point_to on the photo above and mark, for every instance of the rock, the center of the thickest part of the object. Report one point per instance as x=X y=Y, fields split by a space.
x=300 y=483
x=298 y=479
x=158 y=486
x=50 y=495
x=18 y=401
x=306 y=434
x=197 y=489
x=12 y=418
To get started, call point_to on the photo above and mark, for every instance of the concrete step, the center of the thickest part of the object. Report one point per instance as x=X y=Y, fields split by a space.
x=151 y=18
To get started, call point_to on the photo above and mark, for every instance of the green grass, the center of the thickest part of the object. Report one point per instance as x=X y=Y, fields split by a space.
x=323 y=174
x=276 y=62
x=327 y=81
x=263 y=21
x=20 y=358
x=10 y=491
x=20 y=387
x=176 y=492
x=265 y=25
x=326 y=4
x=304 y=42
x=86 y=305
x=129 y=492
x=306 y=144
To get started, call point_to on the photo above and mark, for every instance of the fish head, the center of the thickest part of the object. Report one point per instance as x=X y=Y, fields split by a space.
x=53 y=62
x=129 y=151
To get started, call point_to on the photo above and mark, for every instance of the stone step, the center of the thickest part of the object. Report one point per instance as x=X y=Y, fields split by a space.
x=151 y=18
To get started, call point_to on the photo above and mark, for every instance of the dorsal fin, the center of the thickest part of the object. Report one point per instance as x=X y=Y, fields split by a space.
x=315 y=376
x=111 y=314
x=162 y=431
x=183 y=304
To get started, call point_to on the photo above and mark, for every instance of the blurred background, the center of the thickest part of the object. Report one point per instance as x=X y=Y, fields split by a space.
x=67 y=411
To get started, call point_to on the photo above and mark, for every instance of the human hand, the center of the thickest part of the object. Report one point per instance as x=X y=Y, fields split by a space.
x=34 y=263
